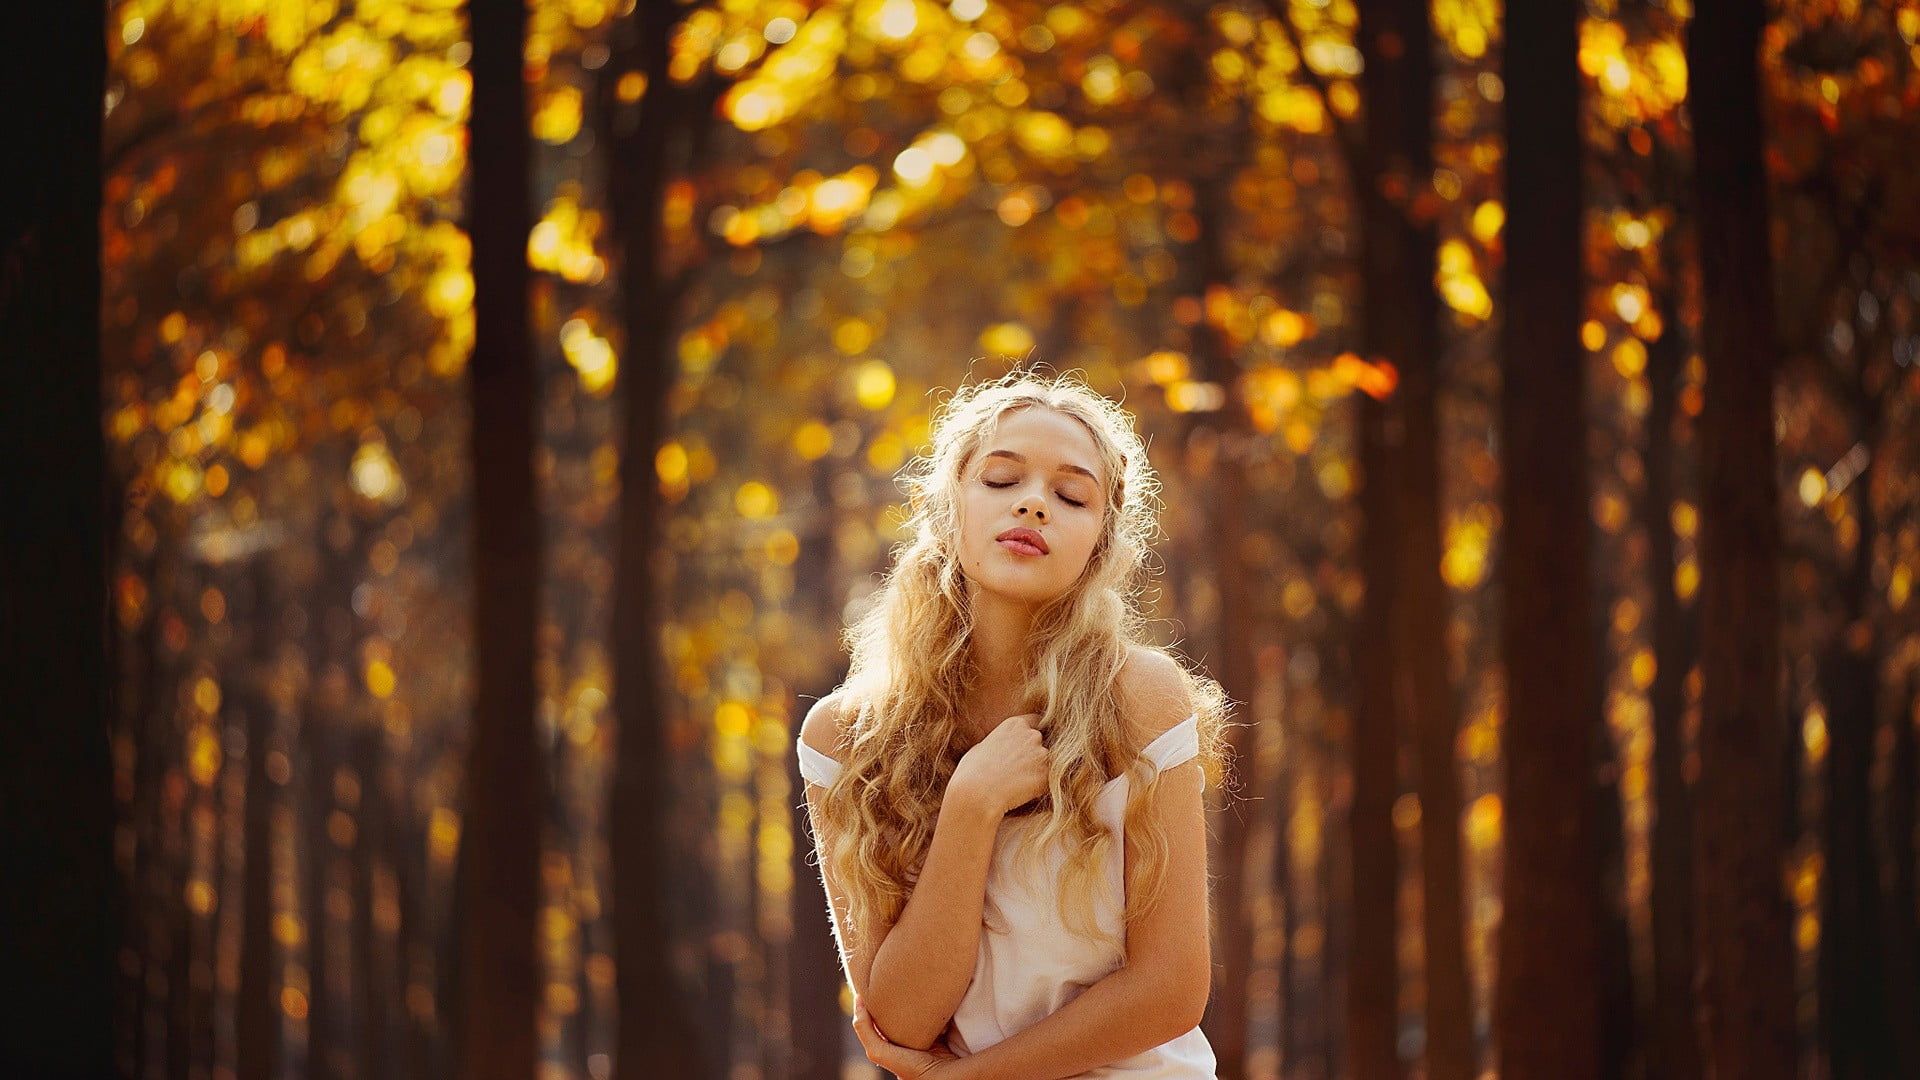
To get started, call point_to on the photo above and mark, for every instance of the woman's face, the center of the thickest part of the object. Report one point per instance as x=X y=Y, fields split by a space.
x=1039 y=472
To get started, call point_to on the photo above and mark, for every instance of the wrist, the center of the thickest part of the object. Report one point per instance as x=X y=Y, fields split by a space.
x=962 y=801
x=966 y=1068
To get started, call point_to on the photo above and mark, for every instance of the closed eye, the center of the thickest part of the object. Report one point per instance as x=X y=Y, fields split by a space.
x=1009 y=483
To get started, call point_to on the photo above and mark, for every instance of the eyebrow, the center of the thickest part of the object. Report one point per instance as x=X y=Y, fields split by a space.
x=1063 y=468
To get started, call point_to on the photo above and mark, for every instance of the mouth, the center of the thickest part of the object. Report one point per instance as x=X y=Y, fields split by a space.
x=1022 y=542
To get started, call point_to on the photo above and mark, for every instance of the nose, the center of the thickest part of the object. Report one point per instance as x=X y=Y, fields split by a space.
x=1033 y=506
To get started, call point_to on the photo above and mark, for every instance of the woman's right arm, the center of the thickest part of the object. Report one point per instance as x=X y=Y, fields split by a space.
x=912 y=974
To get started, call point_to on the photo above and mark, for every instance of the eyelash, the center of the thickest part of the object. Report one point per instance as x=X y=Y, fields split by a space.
x=1009 y=483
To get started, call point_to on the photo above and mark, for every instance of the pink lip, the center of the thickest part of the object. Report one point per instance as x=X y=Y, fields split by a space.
x=1023 y=542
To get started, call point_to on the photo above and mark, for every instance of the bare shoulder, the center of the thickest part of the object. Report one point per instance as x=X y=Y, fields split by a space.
x=1154 y=692
x=824 y=724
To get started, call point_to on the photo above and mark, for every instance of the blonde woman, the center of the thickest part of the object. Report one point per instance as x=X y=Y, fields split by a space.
x=1006 y=793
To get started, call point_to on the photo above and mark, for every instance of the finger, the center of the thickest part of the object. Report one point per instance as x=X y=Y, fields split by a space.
x=862 y=1028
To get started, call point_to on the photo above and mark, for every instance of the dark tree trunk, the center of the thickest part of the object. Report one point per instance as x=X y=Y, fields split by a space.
x=1673 y=1048
x=1855 y=1027
x=257 y=1002
x=1402 y=328
x=506 y=770
x=813 y=973
x=1746 y=989
x=1226 y=1020
x=1903 y=931
x=1547 y=1011
x=657 y=1034
x=1373 y=987
x=372 y=964
x=60 y=919
x=318 y=791
x=818 y=1025
x=139 y=669
x=419 y=1047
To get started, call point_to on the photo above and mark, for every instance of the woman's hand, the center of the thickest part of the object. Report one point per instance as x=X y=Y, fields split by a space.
x=1006 y=769
x=903 y=1061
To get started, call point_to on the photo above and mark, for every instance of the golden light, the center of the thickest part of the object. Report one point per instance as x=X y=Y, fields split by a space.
x=380 y=679
x=981 y=45
x=913 y=166
x=1813 y=487
x=1194 y=397
x=1167 y=366
x=1015 y=210
x=1813 y=732
x=812 y=440
x=670 y=464
x=754 y=499
x=782 y=547
x=750 y=110
x=898 y=19
x=1484 y=822
x=946 y=148
x=1285 y=328
x=450 y=291
x=375 y=475
x=836 y=197
x=1007 y=339
x=853 y=336
x=1630 y=357
x=1629 y=302
x=557 y=117
x=873 y=385
x=591 y=356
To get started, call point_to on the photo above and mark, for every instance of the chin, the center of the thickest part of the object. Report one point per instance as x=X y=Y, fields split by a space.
x=1024 y=592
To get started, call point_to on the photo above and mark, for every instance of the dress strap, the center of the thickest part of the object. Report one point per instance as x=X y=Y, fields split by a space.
x=1176 y=745
x=815 y=766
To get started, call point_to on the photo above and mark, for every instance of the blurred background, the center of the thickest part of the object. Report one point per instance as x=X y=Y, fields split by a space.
x=761 y=237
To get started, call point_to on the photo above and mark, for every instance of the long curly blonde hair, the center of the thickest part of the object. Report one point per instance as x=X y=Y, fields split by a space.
x=901 y=706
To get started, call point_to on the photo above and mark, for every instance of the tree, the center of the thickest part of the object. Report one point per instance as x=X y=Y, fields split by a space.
x=1747 y=979
x=655 y=1031
x=505 y=785
x=62 y=907
x=1546 y=1002
x=1395 y=191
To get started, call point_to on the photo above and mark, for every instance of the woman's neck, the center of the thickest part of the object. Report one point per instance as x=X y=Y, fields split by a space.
x=999 y=645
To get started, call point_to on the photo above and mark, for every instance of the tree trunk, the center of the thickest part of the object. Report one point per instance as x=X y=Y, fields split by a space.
x=506 y=770
x=1228 y=490
x=1673 y=1049
x=1903 y=933
x=1546 y=1001
x=656 y=1032
x=1746 y=990
x=817 y=1023
x=1373 y=987
x=62 y=908
x=1214 y=153
x=1855 y=1027
x=1402 y=328
x=372 y=963
x=257 y=1003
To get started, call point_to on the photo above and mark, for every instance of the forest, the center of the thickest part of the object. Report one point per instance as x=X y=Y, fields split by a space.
x=447 y=439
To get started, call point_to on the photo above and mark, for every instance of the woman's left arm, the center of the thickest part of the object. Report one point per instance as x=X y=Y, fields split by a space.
x=1159 y=995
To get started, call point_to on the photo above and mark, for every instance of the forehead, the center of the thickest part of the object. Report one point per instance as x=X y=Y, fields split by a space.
x=1043 y=437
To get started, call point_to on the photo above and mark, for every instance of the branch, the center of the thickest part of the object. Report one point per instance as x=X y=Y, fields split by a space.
x=145 y=135
x=1349 y=143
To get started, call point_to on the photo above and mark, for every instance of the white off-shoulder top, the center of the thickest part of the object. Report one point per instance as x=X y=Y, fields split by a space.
x=1034 y=965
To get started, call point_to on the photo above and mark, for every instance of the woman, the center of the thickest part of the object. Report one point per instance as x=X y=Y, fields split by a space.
x=1006 y=793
